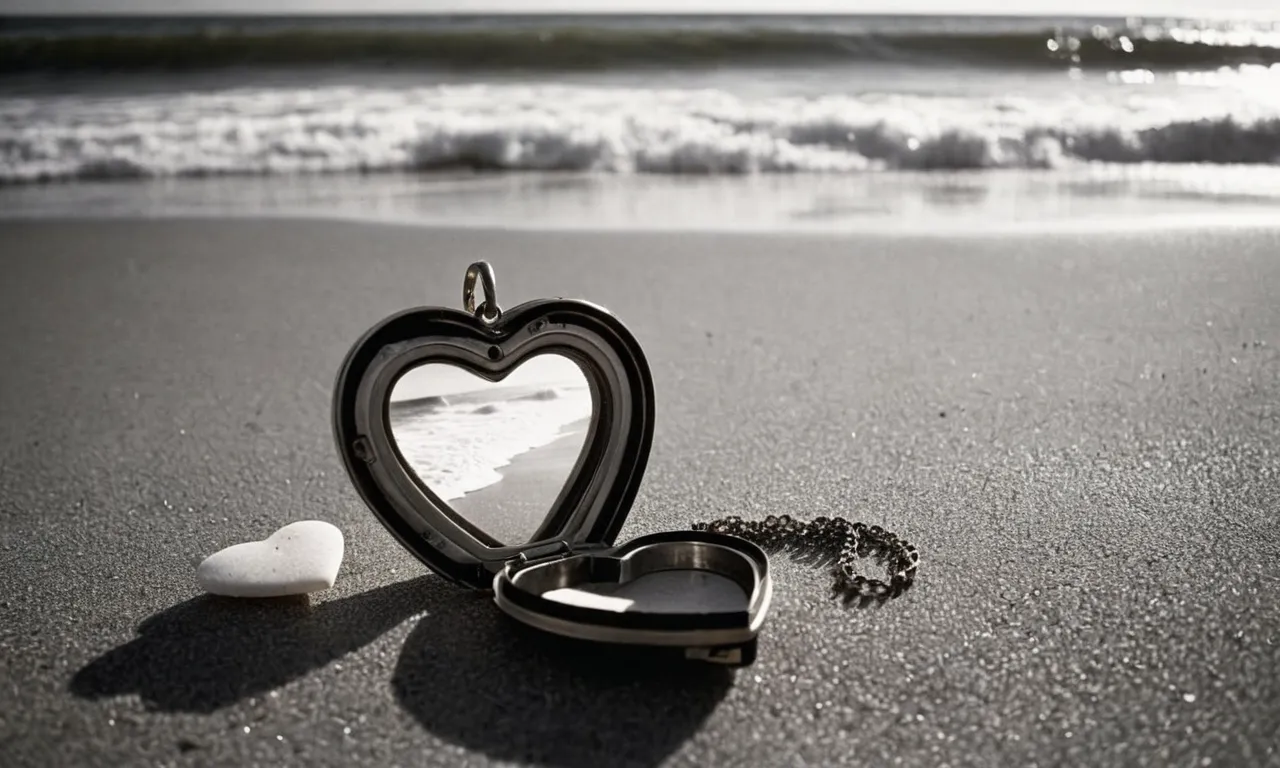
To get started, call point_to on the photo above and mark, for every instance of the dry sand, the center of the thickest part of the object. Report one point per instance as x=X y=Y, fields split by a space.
x=1081 y=433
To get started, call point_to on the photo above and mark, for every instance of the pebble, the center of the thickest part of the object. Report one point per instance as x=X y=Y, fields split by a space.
x=299 y=558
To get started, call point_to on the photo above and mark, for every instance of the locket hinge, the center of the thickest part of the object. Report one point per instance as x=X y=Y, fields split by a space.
x=543 y=553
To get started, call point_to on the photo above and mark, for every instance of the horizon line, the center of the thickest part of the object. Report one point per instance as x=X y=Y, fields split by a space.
x=1219 y=15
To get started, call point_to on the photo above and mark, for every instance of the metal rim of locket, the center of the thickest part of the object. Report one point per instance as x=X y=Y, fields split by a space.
x=742 y=562
x=615 y=449
x=410 y=493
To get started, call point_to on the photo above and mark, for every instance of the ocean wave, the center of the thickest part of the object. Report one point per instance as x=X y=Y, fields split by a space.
x=544 y=128
x=567 y=47
x=541 y=395
x=453 y=457
x=423 y=404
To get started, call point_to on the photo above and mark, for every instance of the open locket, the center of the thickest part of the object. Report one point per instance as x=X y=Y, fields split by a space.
x=504 y=450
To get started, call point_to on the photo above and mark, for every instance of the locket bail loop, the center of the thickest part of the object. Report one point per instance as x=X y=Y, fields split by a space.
x=488 y=312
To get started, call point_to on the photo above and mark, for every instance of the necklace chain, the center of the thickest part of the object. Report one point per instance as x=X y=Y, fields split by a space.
x=833 y=538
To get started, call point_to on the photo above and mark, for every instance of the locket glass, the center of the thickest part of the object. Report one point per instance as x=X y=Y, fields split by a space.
x=499 y=453
x=481 y=436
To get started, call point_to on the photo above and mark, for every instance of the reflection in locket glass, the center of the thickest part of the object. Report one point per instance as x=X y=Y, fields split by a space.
x=498 y=453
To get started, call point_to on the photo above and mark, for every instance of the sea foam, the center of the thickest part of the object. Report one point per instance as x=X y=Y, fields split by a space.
x=459 y=448
x=557 y=127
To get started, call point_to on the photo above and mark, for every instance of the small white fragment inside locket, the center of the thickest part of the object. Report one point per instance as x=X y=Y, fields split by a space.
x=677 y=591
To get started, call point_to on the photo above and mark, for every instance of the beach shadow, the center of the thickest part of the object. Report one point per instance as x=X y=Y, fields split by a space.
x=210 y=652
x=466 y=673
x=492 y=685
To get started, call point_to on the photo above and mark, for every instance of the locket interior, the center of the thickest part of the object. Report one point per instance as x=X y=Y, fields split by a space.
x=705 y=593
x=504 y=450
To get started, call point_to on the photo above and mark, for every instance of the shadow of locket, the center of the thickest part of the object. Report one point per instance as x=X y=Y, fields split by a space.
x=522 y=695
x=466 y=672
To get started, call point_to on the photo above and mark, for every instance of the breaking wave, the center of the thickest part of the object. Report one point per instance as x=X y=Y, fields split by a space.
x=454 y=454
x=568 y=128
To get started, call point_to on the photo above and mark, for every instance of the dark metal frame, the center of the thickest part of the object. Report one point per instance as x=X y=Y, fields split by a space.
x=594 y=504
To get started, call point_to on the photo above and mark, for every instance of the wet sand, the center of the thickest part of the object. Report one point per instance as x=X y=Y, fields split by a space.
x=513 y=508
x=1080 y=432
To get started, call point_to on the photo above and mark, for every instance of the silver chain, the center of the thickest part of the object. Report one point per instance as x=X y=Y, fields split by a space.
x=832 y=538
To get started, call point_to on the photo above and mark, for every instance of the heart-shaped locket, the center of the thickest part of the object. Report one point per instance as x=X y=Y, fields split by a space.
x=504 y=450
x=706 y=592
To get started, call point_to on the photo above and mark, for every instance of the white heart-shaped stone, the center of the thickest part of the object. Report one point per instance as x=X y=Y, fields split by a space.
x=299 y=558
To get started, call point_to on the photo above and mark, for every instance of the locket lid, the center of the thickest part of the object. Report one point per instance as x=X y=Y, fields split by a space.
x=490 y=343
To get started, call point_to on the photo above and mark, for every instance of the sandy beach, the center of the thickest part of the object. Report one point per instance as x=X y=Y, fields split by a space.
x=1081 y=433
x=513 y=508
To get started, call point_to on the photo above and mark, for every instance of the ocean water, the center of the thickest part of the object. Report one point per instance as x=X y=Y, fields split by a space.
x=787 y=120
x=458 y=443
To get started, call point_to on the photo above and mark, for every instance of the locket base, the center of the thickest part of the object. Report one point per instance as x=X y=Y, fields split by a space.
x=718 y=636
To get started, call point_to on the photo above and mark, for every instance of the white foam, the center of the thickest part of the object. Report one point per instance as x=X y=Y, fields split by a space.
x=337 y=129
x=459 y=449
